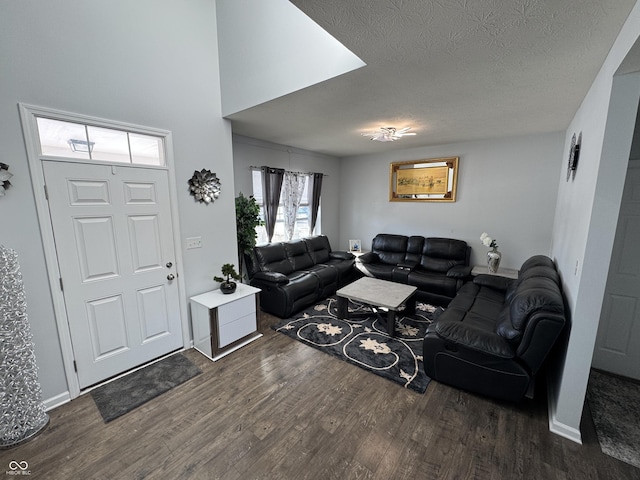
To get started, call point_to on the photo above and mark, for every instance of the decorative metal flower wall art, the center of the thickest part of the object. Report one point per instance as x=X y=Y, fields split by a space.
x=204 y=185
x=4 y=178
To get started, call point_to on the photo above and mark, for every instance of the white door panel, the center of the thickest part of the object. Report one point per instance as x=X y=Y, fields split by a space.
x=114 y=240
x=617 y=347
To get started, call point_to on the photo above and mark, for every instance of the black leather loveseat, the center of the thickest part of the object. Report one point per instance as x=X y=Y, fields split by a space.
x=298 y=273
x=496 y=333
x=437 y=266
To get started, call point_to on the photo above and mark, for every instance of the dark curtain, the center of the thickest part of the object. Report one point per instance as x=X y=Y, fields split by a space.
x=315 y=198
x=271 y=187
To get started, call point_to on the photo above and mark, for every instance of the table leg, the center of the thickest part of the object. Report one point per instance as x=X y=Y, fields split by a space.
x=391 y=323
x=343 y=310
x=410 y=306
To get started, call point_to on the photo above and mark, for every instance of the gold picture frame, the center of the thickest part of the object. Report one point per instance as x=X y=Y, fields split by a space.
x=430 y=180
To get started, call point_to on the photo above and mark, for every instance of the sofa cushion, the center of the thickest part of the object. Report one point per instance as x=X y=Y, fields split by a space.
x=380 y=270
x=298 y=254
x=391 y=249
x=433 y=283
x=537 y=261
x=273 y=258
x=530 y=297
x=472 y=335
x=319 y=248
x=327 y=276
x=301 y=284
x=441 y=254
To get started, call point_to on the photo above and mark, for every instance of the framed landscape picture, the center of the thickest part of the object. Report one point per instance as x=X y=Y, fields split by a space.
x=430 y=180
x=355 y=246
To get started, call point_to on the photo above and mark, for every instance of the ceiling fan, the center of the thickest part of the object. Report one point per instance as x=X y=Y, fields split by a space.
x=388 y=134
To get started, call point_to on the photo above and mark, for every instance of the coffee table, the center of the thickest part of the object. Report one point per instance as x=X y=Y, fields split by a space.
x=378 y=294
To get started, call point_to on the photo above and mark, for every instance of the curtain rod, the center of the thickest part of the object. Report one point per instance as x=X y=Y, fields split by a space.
x=253 y=167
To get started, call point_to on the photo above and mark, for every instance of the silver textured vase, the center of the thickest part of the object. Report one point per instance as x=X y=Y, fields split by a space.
x=493 y=260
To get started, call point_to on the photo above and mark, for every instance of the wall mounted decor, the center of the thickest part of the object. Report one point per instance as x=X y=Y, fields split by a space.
x=4 y=178
x=430 y=180
x=204 y=185
x=574 y=155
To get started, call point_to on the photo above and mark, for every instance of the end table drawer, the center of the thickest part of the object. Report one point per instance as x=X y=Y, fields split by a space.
x=230 y=312
x=235 y=330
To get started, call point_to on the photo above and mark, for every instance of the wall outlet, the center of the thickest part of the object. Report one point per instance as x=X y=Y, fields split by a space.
x=194 y=242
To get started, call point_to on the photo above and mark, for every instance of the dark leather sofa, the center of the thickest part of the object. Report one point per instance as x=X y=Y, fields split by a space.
x=437 y=266
x=298 y=273
x=496 y=333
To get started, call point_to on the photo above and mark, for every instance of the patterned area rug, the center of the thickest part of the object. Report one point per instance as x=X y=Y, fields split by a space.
x=122 y=395
x=614 y=407
x=364 y=341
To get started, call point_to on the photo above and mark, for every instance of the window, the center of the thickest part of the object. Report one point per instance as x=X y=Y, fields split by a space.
x=303 y=218
x=60 y=138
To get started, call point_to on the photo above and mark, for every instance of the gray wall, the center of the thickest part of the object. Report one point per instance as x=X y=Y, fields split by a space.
x=586 y=217
x=506 y=187
x=270 y=49
x=151 y=63
x=249 y=152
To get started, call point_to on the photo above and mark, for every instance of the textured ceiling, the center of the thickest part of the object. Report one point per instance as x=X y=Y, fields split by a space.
x=453 y=70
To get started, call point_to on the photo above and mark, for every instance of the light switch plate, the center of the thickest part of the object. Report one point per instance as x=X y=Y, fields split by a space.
x=194 y=242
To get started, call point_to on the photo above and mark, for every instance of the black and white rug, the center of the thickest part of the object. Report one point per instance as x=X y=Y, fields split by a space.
x=364 y=341
x=614 y=407
x=122 y=395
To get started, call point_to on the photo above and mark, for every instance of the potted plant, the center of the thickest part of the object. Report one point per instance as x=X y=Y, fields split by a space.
x=226 y=284
x=247 y=219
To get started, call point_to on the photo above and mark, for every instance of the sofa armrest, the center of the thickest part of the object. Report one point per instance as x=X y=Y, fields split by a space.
x=460 y=271
x=471 y=337
x=493 y=281
x=369 y=257
x=271 y=277
x=342 y=255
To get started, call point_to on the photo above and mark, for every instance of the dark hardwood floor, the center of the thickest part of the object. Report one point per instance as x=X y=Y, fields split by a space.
x=279 y=409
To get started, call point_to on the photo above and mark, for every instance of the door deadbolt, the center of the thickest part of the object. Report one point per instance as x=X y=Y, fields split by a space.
x=171 y=276
x=169 y=264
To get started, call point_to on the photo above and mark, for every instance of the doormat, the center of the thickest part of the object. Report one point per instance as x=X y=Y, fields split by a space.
x=614 y=407
x=116 y=398
x=364 y=341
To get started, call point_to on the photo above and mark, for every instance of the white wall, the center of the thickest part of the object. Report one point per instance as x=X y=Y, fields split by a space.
x=586 y=217
x=249 y=152
x=151 y=63
x=270 y=49
x=506 y=187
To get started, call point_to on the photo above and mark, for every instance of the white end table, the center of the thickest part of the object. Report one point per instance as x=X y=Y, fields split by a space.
x=502 y=272
x=223 y=323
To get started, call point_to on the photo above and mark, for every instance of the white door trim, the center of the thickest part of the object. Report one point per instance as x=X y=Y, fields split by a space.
x=28 y=115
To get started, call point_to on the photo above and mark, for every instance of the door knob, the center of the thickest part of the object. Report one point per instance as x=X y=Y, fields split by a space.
x=171 y=276
x=169 y=264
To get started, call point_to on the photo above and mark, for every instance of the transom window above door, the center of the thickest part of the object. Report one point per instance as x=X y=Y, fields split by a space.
x=59 y=138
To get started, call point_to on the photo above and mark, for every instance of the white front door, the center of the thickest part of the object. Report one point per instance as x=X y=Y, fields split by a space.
x=617 y=348
x=114 y=242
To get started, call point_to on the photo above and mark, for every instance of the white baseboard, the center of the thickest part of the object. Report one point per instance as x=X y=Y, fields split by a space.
x=555 y=426
x=53 y=402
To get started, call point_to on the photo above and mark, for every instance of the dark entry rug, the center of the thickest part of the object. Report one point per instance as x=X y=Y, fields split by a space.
x=364 y=341
x=120 y=396
x=614 y=407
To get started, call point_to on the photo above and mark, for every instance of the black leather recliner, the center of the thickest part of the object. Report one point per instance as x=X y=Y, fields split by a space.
x=437 y=266
x=293 y=275
x=496 y=333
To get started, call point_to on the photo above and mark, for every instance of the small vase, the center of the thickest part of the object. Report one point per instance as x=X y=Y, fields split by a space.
x=228 y=287
x=493 y=260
